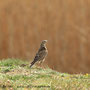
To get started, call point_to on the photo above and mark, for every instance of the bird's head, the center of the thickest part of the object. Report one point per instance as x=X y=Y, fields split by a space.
x=43 y=42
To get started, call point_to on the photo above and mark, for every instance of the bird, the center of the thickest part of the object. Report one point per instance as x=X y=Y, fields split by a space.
x=41 y=54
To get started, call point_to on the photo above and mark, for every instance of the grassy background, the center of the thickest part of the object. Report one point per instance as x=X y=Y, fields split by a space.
x=14 y=74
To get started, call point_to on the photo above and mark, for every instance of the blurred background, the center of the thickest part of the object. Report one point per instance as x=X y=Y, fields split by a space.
x=64 y=23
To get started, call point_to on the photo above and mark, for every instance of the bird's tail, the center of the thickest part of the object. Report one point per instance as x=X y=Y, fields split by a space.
x=32 y=63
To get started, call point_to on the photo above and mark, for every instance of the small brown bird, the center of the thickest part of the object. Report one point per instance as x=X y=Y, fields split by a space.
x=41 y=54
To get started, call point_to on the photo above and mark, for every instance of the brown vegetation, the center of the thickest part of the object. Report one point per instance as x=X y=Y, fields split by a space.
x=64 y=23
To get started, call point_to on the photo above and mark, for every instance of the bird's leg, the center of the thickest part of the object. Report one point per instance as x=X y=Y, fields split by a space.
x=40 y=63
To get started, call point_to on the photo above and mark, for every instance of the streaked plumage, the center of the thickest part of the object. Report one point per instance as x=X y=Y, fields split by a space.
x=41 y=54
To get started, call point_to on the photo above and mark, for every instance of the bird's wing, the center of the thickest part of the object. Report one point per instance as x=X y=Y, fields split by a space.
x=40 y=55
x=35 y=60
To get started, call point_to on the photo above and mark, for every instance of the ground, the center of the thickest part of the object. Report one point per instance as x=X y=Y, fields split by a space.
x=15 y=74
